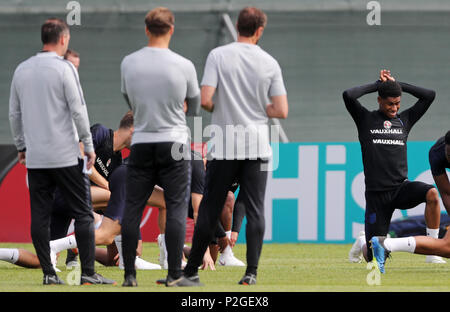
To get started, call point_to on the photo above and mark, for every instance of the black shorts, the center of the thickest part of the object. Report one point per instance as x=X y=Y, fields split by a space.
x=117 y=186
x=436 y=156
x=380 y=206
x=197 y=181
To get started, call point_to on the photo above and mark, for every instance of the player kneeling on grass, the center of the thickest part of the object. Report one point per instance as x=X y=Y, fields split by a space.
x=383 y=136
x=107 y=188
x=425 y=245
x=222 y=240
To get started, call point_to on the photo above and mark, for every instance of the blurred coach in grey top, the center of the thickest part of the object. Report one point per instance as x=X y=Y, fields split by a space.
x=247 y=88
x=156 y=82
x=48 y=116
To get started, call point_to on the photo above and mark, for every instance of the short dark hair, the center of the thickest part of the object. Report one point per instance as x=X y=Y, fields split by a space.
x=389 y=88
x=70 y=52
x=447 y=138
x=127 y=121
x=52 y=30
x=249 y=20
x=159 y=20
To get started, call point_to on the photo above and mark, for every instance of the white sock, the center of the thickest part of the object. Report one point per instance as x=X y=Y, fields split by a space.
x=407 y=244
x=362 y=241
x=433 y=232
x=65 y=243
x=71 y=229
x=10 y=255
x=163 y=240
x=227 y=250
x=118 y=241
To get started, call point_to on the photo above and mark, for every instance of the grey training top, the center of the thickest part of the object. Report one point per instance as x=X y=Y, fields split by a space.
x=47 y=112
x=245 y=77
x=156 y=82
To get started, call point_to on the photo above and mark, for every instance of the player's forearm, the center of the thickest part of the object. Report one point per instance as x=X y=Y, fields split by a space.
x=279 y=107
x=425 y=98
x=207 y=93
x=208 y=106
x=423 y=94
x=352 y=94
x=98 y=179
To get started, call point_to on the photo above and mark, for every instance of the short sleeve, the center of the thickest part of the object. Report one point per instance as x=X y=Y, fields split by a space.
x=277 y=85
x=210 y=74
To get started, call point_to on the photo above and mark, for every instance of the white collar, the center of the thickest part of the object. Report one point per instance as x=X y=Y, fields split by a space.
x=48 y=54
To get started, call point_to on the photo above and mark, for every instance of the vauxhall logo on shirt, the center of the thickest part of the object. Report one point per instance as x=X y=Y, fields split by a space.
x=388 y=130
x=102 y=166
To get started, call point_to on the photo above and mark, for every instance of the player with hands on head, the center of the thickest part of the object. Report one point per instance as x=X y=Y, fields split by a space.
x=383 y=135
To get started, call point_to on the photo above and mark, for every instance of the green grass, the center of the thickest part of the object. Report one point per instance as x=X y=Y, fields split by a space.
x=283 y=268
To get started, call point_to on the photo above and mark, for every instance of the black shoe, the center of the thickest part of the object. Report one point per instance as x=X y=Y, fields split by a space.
x=95 y=279
x=194 y=278
x=130 y=281
x=248 y=279
x=183 y=281
x=50 y=279
x=161 y=281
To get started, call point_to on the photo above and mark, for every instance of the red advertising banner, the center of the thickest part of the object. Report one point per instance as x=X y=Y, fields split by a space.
x=15 y=217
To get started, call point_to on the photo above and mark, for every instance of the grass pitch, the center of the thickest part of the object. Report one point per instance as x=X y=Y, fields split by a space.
x=283 y=268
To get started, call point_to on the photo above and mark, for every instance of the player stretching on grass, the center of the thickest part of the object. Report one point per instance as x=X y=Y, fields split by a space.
x=100 y=192
x=439 y=157
x=383 y=134
x=107 y=189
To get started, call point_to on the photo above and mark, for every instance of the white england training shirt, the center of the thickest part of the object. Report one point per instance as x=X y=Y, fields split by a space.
x=245 y=77
x=46 y=110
